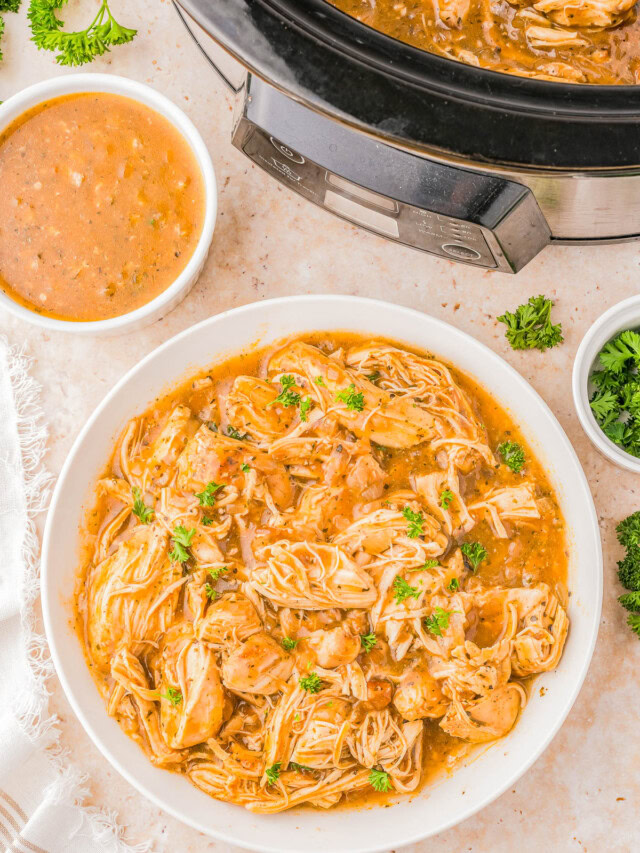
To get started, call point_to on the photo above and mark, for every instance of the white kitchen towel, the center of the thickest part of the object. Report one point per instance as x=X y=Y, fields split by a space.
x=41 y=793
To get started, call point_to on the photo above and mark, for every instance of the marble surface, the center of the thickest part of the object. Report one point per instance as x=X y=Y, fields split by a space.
x=584 y=793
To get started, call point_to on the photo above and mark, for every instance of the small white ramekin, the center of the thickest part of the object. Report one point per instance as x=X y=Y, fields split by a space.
x=624 y=315
x=175 y=293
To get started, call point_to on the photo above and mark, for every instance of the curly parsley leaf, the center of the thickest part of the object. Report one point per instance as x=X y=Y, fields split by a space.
x=512 y=455
x=368 y=641
x=438 y=621
x=305 y=405
x=273 y=773
x=453 y=585
x=633 y=621
x=289 y=644
x=474 y=553
x=143 y=512
x=82 y=46
x=287 y=396
x=403 y=590
x=353 y=400
x=208 y=496
x=428 y=564
x=628 y=531
x=172 y=695
x=416 y=521
x=232 y=432
x=311 y=683
x=181 y=541
x=615 y=402
x=530 y=327
x=379 y=779
x=446 y=498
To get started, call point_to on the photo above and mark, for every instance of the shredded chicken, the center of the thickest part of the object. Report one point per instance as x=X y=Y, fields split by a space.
x=277 y=599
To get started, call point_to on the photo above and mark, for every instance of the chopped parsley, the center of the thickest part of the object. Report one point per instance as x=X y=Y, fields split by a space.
x=403 y=590
x=615 y=402
x=143 y=512
x=181 y=540
x=216 y=573
x=379 y=779
x=210 y=591
x=287 y=396
x=353 y=400
x=429 y=564
x=289 y=644
x=207 y=497
x=373 y=377
x=512 y=455
x=319 y=381
x=531 y=327
x=629 y=569
x=245 y=468
x=368 y=641
x=273 y=773
x=311 y=683
x=474 y=553
x=172 y=695
x=415 y=520
x=438 y=621
x=300 y=768
x=453 y=585
x=232 y=432
x=305 y=405
x=445 y=498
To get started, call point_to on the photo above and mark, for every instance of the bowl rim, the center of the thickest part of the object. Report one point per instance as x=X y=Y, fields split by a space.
x=341 y=301
x=623 y=315
x=115 y=84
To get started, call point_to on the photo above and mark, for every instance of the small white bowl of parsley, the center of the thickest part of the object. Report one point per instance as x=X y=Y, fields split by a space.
x=606 y=384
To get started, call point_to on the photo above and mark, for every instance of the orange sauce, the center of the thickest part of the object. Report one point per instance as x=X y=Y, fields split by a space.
x=101 y=206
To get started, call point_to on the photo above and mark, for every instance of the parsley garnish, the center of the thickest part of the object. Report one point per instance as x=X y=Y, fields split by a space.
x=181 y=540
x=206 y=521
x=380 y=780
x=438 y=621
x=273 y=773
x=453 y=585
x=415 y=520
x=319 y=381
x=616 y=401
x=305 y=405
x=629 y=569
x=245 y=468
x=143 y=512
x=215 y=573
x=207 y=497
x=172 y=695
x=531 y=327
x=474 y=553
x=429 y=564
x=289 y=644
x=368 y=641
x=311 y=683
x=445 y=498
x=232 y=432
x=403 y=590
x=210 y=591
x=354 y=400
x=301 y=768
x=373 y=377
x=287 y=397
x=75 y=48
x=512 y=455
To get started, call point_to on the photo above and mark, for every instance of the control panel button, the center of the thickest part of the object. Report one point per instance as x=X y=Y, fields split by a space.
x=456 y=250
x=286 y=151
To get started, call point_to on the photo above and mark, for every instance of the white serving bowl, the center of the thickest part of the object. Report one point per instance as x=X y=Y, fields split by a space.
x=167 y=300
x=624 y=315
x=473 y=785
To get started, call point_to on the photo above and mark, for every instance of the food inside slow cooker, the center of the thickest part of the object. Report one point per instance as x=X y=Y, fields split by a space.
x=577 y=41
x=320 y=573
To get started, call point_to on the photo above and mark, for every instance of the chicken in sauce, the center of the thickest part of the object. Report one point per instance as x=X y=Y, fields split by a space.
x=312 y=578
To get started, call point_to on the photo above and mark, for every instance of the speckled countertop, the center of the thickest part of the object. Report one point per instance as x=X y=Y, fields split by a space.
x=584 y=793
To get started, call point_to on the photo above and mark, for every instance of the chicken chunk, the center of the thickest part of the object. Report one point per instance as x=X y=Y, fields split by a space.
x=191 y=695
x=419 y=695
x=488 y=718
x=586 y=13
x=229 y=621
x=251 y=407
x=259 y=665
x=335 y=646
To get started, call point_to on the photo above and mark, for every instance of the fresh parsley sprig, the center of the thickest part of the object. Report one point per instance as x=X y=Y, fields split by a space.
x=512 y=455
x=446 y=497
x=353 y=400
x=629 y=569
x=144 y=513
x=181 y=541
x=82 y=46
x=438 y=621
x=530 y=327
x=207 y=497
x=416 y=521
x=368 y=641
x=615 y=402
x=311 y=683
x=403 y=590
x=379 y=779
x=172 y=695
x=474 y=553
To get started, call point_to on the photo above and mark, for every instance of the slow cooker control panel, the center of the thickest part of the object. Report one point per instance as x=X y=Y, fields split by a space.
x=459 y=214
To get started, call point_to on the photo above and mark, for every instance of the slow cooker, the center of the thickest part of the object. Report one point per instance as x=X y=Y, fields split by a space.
x=461 y=162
